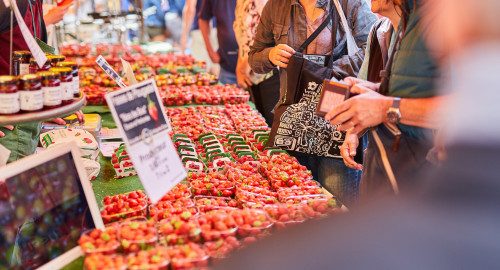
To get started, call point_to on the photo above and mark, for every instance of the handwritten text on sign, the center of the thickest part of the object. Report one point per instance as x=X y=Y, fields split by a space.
x=140 y=117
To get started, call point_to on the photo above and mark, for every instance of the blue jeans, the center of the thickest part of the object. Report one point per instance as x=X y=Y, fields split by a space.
x=334 y=176
x=227 y=77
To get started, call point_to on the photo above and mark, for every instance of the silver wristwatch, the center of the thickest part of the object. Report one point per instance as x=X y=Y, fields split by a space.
x=393 y=114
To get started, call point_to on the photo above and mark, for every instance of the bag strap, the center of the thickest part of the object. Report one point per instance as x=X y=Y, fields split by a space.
x=385 y=162
x=352 y=47
x=316 y=33
x=376 y=61
x=386 y=73
x=335 y=27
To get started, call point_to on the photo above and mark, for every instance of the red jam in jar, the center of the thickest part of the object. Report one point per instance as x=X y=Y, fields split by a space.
x=9 y=97
x=66 y=75
x=76 y=79
x=55 y=59
x=34 y=66
x=30 y=93
x=51 y=87
x=21 y=62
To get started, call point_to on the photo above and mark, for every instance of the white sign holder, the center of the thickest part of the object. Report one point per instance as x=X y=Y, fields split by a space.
x=140 y=117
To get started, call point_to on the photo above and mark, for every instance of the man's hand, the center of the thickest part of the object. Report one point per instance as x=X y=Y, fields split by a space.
x=243 y=71
x=56 y=14
x=352 y=81
x=348 y=150
x=214 y=56
x=183 y=42
x=280 y=55
x=7 y=127
x=366 y=110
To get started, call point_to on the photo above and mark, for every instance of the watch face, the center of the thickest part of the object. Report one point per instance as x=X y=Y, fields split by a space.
x=393 y=116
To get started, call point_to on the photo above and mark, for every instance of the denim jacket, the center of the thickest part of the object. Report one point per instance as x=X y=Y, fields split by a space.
x=274 y=28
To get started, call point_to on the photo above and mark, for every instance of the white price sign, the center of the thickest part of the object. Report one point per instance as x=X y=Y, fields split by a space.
x=140 y=116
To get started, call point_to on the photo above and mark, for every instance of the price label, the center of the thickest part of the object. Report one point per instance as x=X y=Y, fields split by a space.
x=140 y=117
x=110 y=71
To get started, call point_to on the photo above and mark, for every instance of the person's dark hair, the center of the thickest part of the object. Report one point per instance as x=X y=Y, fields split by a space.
x=408 y=7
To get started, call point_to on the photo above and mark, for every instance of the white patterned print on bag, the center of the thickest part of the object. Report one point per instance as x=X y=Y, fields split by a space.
x=302 y=131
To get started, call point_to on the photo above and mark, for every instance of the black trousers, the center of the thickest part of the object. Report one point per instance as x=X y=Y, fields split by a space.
x=266 y=95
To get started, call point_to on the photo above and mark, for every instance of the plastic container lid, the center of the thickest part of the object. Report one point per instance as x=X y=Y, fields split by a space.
x=99 y=261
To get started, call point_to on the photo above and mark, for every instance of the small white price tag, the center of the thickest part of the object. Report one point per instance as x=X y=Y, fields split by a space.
x=110 y=71
x=140 y=116
x=38 y=54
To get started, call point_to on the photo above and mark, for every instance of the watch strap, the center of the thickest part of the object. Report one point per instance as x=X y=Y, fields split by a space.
x=396 y=102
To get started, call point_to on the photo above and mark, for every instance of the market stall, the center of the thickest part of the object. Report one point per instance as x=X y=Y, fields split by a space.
x=91 y=207
x=236 y=190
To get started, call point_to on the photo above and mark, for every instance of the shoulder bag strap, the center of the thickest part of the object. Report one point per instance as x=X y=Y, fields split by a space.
x=386 y=73
x=375 y=60
x=335 y=27
x=352 y=47
x=315 y=34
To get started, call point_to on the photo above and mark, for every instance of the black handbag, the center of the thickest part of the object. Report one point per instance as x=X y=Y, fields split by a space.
x=296 y=128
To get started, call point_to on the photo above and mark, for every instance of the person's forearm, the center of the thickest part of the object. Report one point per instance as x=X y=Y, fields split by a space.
x=188 y=13
x=205 y=32
x=258 y=57
x=422 y=112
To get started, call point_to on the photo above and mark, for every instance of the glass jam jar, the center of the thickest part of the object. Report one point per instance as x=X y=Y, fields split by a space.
x=56 y=59
x=21 y=62
x=34 y=66
x=9 y=97
x=30 y=93
x=66 y=76
x=51 y=87
x=76 y=79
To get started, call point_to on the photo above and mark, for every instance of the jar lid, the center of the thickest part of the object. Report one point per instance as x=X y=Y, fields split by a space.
x=62 y=70
x=48 y=75
x=57 y=58
x=22 y=54
x=33 y=61
x=8 y=80
x=30 y=78
x=72 y=65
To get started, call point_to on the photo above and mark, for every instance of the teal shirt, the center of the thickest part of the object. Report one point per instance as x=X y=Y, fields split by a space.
x=414 y=72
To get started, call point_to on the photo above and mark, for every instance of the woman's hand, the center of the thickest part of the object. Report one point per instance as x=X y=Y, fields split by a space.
x=7 y=127
x=280 y=55
x=243 y=73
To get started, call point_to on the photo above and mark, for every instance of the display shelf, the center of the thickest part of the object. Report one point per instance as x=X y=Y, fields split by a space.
x=76 y=105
